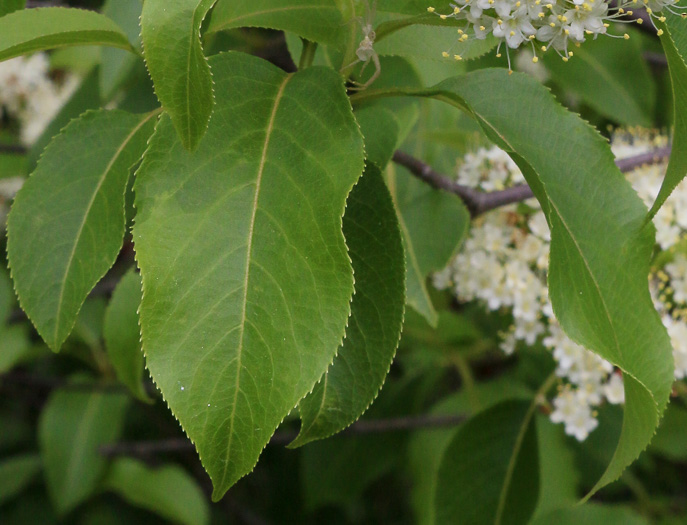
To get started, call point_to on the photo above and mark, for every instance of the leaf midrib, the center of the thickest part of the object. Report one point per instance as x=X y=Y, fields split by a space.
x=68 y=266
x=246 y=278
x=231 y=21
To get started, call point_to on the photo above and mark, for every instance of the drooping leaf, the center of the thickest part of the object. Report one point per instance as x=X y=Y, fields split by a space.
x=598 y=73
x=66 y=225
x=168 y=491
x=9 y=6
x=72 y=427
x=16 y=473
x=30 y=30
x=674 y=41
x=246 y=278
x=354 y=378
x=123 y=336
x=116 y=65
x=598 y=226
x=170 y=30
x=433 y=225
x=315 y=20
x=489 y=473
x=592 y=514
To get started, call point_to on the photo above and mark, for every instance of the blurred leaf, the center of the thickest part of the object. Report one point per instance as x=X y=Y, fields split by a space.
x=611 y=76
x=123 y=335
x=16 y=473
x=670 y=437
x=9 y=6
x=592 y=514
x=117 y=65
x=167 y=490
x=489 y=473
x=674 y=40
x=246 y=278
x=427 y=447
x=72 y=427
x=170 y=31
x=67 y=222
x=31 y=30
x=433 y=225
x=84 y=98
x=14 y=345
x=354 y=379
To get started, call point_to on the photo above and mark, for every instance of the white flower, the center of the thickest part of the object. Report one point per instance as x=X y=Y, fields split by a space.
x=614 y=390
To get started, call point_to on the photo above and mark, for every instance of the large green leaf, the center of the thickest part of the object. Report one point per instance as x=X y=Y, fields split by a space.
x=167 y=491
x=674 y=40
x=353 y=380
x=9 y=6
x=598 y=227
x=315 y=20
x=116 y=65
x=489 y=473
x=123 y=336
x=67 y=222
x=246 y=278
x=72 y=426
x=16 y=473
x=599 y=73
x=433 y=225
x=170 y=30
x=31 y=30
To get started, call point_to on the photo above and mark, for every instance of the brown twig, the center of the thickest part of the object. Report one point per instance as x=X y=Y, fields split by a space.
x=479 y=202
x=373 y=426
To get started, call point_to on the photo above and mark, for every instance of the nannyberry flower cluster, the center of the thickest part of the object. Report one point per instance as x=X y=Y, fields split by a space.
x=504 y=261
x=30 y=96
x=545 y=24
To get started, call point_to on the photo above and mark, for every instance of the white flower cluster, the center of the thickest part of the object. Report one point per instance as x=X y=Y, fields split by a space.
x=29 y=95
x=556 y=24
x=503 y=265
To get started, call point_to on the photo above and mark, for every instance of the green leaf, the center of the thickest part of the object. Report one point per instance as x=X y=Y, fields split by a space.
x=72 y=427
x=67 y=222
x=381 y=129
x=167 y=491
x=116 y=65
x=31 y=30
x=674 y=41
x=246 y=278
x=592 y=514
x=353 y=380
x=433 y=225
x=170 y=30
x=16 y=473
x=490 y=471
x=315 y=20
x=14 y=345
x=123 y=336
x=599 y=73
x=598 y=226
x=9 y=6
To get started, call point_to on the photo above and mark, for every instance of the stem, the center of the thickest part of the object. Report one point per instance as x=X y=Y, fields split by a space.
x=467 y=380
x=307 y=54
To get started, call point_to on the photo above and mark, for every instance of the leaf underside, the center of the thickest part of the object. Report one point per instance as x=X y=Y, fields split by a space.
x=30 y=30
x=246 y=277
x=353 y=380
